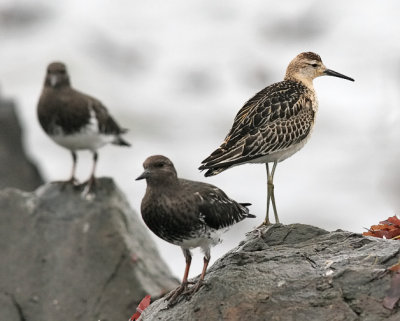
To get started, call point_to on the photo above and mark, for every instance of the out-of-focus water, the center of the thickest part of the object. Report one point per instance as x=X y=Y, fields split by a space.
x=176 y=73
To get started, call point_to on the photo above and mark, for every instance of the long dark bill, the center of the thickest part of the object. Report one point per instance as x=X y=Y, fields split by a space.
x=329 y=72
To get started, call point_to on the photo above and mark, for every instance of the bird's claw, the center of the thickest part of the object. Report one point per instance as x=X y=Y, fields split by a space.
x=173 y=296
x=88 y=192
x=261 y=229
x=190 y=291
x=183 y=290
x=64 y=184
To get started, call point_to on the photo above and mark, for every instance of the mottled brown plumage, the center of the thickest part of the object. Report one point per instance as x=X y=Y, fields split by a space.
x=274 y=124
x=275 y=119
x=186 y=213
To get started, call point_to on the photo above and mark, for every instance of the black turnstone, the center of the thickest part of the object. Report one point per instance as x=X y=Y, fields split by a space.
x=75 y=120
x=274 y=124
x=186 y=213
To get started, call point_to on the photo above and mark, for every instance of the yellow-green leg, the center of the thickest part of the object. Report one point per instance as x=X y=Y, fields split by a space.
x=271 y=194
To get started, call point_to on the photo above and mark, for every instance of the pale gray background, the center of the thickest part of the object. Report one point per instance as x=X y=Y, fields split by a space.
x=176 y=73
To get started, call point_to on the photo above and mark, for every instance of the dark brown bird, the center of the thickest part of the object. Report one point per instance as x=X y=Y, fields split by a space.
x=75 y=120
x=274 y=124
x=186 y=213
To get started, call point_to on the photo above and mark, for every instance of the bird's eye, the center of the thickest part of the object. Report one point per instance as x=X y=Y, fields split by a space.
x=159 y=165
x=314 y=65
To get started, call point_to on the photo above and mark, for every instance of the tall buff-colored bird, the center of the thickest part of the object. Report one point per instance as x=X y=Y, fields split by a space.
x=274 y=124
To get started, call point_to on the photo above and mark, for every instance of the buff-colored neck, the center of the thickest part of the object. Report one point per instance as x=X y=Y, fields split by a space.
x=294 y=72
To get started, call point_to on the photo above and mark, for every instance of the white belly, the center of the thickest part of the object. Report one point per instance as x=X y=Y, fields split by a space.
x=205 y=241
x=89 y=137
x=282 y=154
x=83 y=140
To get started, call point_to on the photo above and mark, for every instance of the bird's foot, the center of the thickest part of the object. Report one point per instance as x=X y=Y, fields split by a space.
x=88 y=191
x=261 y=229
x=173 y=296
x=265 y=224
x=70 y=182
x=190 y=291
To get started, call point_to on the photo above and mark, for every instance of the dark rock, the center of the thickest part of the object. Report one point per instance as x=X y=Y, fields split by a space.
x=69 y=258
x=16 y=170
x=295 y=272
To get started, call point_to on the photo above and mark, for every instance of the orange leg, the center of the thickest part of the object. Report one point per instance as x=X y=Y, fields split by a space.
x=174 y=295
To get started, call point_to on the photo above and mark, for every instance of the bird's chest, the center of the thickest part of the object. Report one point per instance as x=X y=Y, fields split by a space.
x=61 y=114
x=314 y=103
x=173 y=220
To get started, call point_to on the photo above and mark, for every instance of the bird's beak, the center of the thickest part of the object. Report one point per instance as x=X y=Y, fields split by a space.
x=53 y=80
x=144 y=175
x=329 y=72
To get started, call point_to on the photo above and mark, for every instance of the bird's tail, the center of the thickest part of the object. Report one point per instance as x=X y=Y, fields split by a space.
x=120 y=141
x=212 y=171
x=220 y=160
x=248 y=215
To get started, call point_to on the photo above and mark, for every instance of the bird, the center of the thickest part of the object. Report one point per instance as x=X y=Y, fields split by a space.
x=186 y=213
x=74 y=120
x=274 y=124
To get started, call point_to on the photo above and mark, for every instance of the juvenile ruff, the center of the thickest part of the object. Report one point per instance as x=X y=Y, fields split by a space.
x=186 y=213
x=274 y=124
x=75 y=120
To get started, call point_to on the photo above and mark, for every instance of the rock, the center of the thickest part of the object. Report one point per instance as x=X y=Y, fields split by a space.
x=69 y=258
x=16 y=170
x=294 y=272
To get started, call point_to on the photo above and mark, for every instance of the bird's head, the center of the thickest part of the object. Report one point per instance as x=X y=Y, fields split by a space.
x=158 y=170
x=56 y=75
x=307 y=66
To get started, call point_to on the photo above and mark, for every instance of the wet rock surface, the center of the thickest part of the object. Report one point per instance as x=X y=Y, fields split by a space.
x=66 y=257
x=294 y=272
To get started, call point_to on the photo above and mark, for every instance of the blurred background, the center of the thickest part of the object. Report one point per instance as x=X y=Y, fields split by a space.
x=176 y=73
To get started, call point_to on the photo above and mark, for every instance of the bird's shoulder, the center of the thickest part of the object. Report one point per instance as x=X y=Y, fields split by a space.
x=107 y=124
x=279 y=101
x=214 y=207
x=201 y=192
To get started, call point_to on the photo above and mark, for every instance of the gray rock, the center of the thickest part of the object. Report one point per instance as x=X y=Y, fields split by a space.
x=16 y=170
x=64 y=257
x=295 y=272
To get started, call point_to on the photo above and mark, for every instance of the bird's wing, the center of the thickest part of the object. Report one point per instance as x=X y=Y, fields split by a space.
x=215 y=208
x=276 y=118
x=107 y=124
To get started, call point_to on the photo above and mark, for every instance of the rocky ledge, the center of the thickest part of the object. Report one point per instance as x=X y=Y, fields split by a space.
x=294 y=272
x=65 y=257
